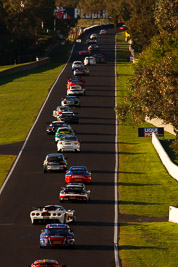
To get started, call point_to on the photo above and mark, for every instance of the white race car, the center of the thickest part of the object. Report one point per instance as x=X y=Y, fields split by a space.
x=77 y=64
x=74 y=191
x=76 y=90
x=70 y=101
x=90 y=60
x=52 y=213
x=68 y=143
x=83 y=71
x=93 y=36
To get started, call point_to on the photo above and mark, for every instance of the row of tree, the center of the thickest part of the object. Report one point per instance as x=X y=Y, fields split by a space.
x=23 y=23
x=153 y=88
x=152 y=25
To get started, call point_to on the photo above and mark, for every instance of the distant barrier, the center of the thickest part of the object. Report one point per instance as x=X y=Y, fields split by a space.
x=30 y=66
x=169 y=165
x=173 y=214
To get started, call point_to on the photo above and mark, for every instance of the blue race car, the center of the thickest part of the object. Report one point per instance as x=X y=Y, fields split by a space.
x=78 y=174
x=59 y=235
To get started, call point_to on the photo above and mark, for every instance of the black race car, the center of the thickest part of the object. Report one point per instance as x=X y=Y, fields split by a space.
x=100 y=58
x=54 y=162
x=54 y=125
x=68 y=117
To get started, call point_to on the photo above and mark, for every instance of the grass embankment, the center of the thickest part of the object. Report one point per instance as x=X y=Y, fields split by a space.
x=145 y=190
x=22 y=96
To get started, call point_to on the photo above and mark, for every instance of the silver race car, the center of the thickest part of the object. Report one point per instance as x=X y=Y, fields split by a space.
x=52 y=213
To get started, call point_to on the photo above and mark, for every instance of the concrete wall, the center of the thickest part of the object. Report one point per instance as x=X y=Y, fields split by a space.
x=173 y=214
x=21 y=68
x=169 y=165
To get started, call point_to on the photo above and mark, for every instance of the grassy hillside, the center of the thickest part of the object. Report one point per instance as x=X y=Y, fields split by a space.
x=145 y=189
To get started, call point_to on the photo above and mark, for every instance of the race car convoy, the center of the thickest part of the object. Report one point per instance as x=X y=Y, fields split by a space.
x=58 y=233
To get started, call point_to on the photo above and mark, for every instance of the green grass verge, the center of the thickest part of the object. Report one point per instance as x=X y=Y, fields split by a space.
x=149 y=244
x=145 y=187
x=22 y=96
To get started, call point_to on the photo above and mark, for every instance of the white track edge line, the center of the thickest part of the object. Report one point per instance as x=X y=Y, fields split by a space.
x=116 y=251
x=25 y=142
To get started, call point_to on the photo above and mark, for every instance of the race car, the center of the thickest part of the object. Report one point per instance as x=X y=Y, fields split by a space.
x=52 y=214
x=93 y=36
x=46 y=263
x=91 y=41
x=57 y=235
x=78 y=174
x=68 y=117
x=70 y=101
x=76 y=90
x=103 y=31
x=83 y=71
x=77 y=64
x=54 y=125
x=100 y=58
x=74 y=192
x=54 y=162
x=93 y=47
x=76 y=80
x=60 y=109
x=84 y=53
x=89 y=60
x=62 y=132
x=68 y=143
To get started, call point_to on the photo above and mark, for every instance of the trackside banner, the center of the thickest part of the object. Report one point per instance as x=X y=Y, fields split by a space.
x=75 y=13
x=147 y=132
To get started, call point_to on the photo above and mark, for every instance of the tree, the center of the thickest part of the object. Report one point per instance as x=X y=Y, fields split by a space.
x=166 y=16
x=153 y=88
x=139 y=18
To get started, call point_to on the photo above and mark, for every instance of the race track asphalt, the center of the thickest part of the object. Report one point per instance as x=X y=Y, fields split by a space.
x=29 y=187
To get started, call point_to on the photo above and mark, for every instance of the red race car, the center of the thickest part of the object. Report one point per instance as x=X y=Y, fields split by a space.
x=45 y=263
x=84 y=53
x=75 y=81
x=78 y=174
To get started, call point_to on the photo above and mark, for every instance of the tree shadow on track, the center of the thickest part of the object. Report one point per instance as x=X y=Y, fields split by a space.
x=11 y=149
x=94 y=247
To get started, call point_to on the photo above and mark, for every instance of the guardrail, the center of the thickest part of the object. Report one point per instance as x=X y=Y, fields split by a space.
x=169 y=165
x=25 y=67
x=173 y=214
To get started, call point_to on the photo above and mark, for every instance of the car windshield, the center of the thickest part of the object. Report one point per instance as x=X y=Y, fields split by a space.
x=70 y=98
x=52 y=208
x=68 y=115
x=48 y=264
x=55 y=158
x=68 y=138
x=74 y=190
x=78 y=170
x=57 y=124
x=56 y=231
